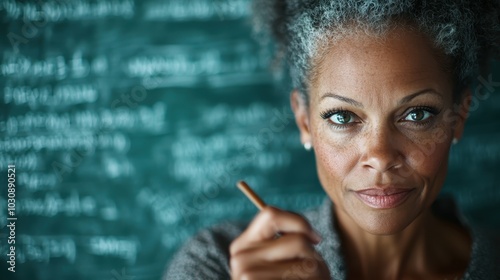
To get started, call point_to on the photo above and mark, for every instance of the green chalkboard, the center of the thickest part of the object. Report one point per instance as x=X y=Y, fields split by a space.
x=129 y=122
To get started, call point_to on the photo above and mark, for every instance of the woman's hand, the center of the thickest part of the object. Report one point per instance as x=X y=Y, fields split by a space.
x=258 y=254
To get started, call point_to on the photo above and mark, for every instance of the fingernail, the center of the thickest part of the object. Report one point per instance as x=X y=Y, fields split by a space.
x=317 y=237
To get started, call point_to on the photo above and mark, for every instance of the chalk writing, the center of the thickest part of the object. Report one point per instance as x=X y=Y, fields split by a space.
x=121 y=118
x=34 y=248
x=61 y=95
x=52 y=204
x=65 y=141
x=187 y=60
x=27 y=161
x=18 y=67
x=54 y=11
x=476 y=150
x=125 y=248
x=37 y=181
x=197 y=10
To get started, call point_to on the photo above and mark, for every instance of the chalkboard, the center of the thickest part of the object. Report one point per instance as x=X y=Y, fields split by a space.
x=126 y=124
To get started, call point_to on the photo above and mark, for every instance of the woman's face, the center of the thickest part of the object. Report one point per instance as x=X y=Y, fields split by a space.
x=381 y=122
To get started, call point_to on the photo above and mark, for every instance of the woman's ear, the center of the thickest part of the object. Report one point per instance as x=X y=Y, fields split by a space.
x=463 y=112
x=301 y=112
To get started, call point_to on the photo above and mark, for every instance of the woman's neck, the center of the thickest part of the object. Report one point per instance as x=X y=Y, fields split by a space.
x=427 y=247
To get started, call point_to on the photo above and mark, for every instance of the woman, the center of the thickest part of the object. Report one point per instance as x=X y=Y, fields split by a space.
x=381 y=93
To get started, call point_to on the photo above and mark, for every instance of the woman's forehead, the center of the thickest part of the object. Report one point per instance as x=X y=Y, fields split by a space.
x=401 y=60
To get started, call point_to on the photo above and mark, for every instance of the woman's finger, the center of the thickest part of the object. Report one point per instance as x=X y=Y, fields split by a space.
x=270 y=221
x=287 y=270
x=288 y=247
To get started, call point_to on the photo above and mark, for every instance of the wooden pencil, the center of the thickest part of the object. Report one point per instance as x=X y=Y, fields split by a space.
x=245 y=188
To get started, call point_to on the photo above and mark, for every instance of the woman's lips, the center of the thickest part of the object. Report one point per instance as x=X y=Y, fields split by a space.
x=383 y=198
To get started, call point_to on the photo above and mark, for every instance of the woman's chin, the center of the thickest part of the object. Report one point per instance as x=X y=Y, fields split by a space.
x=384 y=222
x=382 y=226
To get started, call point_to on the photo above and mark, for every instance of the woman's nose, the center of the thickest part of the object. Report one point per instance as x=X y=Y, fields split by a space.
x=380 y=150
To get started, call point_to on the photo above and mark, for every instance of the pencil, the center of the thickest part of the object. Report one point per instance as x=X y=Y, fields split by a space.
x=245 y=188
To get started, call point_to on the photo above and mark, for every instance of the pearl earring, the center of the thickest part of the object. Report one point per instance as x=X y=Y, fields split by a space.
x=307 y=146
x=454 y=141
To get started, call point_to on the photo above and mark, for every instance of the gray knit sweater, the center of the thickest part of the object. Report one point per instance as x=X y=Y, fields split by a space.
x=206 y=256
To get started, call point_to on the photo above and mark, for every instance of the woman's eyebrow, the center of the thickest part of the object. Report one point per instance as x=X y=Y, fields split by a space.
x=408 y=98
x=342 y=98
x=404 y=100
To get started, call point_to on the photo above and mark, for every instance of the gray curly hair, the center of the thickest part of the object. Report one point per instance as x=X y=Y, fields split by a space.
x=466 y=32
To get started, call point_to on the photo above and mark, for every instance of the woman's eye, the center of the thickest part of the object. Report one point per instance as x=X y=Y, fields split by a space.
x=341 y=118
x=418 y=115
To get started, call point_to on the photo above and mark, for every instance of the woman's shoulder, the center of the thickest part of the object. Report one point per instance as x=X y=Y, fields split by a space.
x=205 y=255
x=485 y=256
x=485 y=251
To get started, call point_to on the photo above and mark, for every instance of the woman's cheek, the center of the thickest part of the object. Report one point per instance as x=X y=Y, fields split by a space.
x=430 y=161
x=335 y=158
x=428 y=153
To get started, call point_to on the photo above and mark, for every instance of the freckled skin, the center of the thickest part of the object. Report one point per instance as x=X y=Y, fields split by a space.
x=381 y=149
